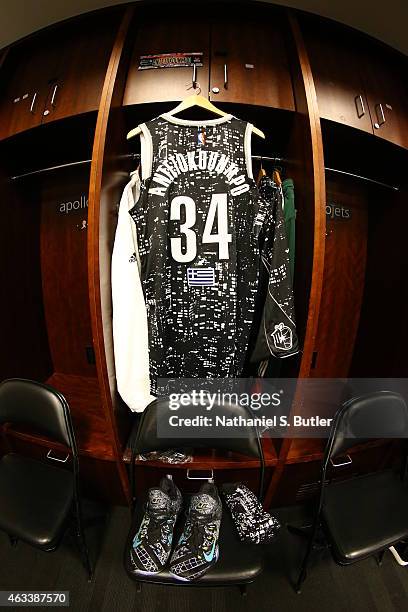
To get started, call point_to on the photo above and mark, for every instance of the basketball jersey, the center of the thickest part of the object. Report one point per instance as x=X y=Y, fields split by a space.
x=185 y=275
x=197 y=247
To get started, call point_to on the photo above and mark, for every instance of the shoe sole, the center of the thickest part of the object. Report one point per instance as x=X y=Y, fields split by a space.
x=144 y=573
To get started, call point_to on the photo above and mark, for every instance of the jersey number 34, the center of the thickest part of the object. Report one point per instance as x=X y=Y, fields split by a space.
x=219 y=207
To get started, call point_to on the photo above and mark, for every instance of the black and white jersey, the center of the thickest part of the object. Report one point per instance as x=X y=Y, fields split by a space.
x=197 y=246
x=194 y=250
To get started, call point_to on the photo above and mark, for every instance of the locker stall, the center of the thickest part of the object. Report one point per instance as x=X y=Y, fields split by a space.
x=64 y=161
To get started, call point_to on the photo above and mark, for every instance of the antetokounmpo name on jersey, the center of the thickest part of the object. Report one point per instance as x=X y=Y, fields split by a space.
x=192 y=161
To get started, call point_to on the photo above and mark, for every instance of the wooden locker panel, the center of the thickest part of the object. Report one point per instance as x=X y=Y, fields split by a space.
x=382 y=340
x=64 y=214
x=92 y=433
x=167 y=33
x=25 y=75
x=249 y=62
x=24 y=341
x=334 y=58
x=146 y=477
x=3 y=54
x=84 y=398
x=300 y=480
x=385 y=75
x=98 y=478
x=83 y=49
x=344 y=274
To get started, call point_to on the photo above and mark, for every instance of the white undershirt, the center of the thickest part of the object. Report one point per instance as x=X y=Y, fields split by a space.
x=130 y=330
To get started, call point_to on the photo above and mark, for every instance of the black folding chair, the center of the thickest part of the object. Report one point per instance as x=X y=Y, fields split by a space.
x=239 y=563
x=37 y=498
x=361 y=516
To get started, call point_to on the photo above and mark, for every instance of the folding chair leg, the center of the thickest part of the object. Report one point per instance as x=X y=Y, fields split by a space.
x=380 y=557
x=85 y=555
x=305 y=563
x=302 y=574
x=13 y=541
x=83 y=545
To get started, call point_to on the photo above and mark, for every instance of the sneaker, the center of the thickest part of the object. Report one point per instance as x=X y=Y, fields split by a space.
x=152 y=543
x=252 y=522
x=197 y=548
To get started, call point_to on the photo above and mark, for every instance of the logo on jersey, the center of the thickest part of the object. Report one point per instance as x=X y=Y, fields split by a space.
x=202 y=138
x=201 y=277
x=282 y=337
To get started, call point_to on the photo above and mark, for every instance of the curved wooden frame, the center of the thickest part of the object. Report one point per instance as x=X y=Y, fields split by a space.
x=94 y=264
x=319 y=236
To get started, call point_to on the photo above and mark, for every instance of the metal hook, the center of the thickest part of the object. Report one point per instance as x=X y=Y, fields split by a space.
x=194 y=76
x=196 y=87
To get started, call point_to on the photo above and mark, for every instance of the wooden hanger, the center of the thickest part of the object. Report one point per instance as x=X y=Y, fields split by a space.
x=261 y=173
x=276 y=176
x=189 y=102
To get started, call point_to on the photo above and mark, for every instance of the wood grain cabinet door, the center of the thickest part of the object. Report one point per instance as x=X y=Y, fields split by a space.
x=249 y=62
x=161 y=33
x=344 y=274
x=83 y=48
x=334 y=57
x=24 y=89
x=63 y=247
x=386 y=81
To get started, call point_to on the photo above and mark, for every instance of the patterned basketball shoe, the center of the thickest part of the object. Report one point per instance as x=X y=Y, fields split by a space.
x=152 y=542
x=197 y=548
x=252 y=522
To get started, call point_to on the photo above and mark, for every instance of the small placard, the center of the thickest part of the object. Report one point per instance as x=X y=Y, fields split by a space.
x=337 y=211
x=249 y=66
x=170 y=60
x=74 y=205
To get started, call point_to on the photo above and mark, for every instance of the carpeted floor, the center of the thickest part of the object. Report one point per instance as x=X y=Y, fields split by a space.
x=329 y=588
